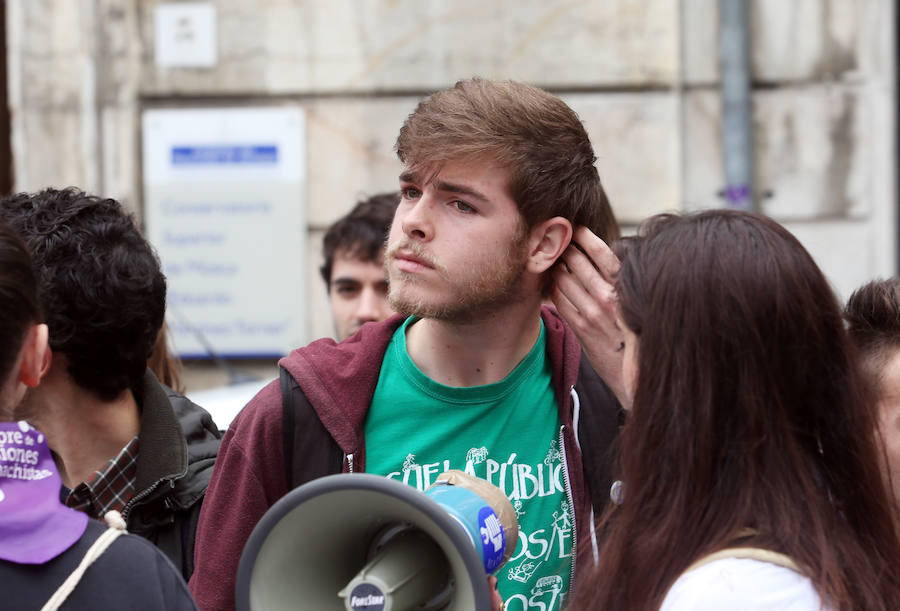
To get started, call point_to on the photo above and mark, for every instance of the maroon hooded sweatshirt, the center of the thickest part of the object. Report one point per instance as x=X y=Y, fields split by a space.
x=339 y=381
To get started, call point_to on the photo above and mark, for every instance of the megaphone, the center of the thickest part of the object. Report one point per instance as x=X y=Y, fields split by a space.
x=359 y=542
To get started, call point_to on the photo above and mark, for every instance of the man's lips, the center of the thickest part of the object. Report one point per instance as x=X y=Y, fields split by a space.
x=408 y=262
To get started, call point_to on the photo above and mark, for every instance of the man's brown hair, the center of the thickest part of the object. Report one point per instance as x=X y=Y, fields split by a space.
x=534 y=135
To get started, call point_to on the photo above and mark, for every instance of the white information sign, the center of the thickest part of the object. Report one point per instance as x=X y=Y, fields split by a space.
x=224 y=193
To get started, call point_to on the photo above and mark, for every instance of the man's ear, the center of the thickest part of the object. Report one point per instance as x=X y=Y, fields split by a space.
x=36 y=356
x=547 y=241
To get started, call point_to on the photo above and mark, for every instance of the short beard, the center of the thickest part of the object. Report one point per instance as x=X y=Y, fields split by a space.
x=490 y=291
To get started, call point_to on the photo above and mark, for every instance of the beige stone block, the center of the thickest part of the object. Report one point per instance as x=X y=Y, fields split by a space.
x=120 y=172
x=53 y=28
x=118 y=52
x=813 y=151
x=703 y=170
x=700 y=41
x=55 y=83
x=562 y=44
x=878 y=40
x=350 y=149
x=636 y=141
x=65 y=49
x=789 y=40
x=843 y=250
x=53 y=154
x=420 y=45
x=817 y=39
x=793 y=41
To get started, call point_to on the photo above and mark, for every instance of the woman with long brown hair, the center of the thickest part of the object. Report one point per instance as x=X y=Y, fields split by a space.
x=749 y=430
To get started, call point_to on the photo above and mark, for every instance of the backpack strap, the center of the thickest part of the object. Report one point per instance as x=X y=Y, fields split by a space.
x=752 y=553
x=598 y=426
x=287 y=425
x=188 y=540
x=116 y=529
x=309 y=450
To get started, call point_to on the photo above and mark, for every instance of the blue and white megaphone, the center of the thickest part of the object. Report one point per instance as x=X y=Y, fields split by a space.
x=366 y=543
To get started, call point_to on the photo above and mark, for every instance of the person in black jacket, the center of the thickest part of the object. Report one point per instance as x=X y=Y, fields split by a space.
x=122 y=441
x=42 y=542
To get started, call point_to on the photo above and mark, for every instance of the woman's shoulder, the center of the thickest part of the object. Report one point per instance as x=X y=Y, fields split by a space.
x=742 y=584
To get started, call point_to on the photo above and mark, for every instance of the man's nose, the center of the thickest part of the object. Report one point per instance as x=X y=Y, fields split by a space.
x=373 y=306
x=417 y=219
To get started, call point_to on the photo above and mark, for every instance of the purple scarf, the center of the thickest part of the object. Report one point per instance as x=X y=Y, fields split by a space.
x=34 y=525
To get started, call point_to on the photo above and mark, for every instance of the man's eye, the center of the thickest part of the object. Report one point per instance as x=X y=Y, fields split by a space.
x=463 y=206
x=410 y=193
x=346 y=291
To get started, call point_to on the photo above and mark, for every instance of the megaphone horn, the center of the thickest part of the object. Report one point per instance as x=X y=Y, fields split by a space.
x=359 y=542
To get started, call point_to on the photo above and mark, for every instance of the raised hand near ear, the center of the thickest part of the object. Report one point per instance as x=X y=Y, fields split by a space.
x=584 y=294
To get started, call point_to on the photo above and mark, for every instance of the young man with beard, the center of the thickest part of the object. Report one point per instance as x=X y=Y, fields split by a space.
x=474 y=374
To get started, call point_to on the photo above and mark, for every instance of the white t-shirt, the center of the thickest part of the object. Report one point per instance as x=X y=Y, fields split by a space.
x=741 y=584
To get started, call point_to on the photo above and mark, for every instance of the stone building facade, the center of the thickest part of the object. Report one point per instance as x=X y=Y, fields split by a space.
x=643 y=75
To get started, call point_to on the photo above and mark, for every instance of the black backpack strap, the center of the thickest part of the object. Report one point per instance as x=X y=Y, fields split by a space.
x=309 y=450
x=598 y=428
x=287 y=425
x=189 y=536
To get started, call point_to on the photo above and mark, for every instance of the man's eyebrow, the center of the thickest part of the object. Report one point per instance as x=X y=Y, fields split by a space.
x=345 y=280
x=442 y=185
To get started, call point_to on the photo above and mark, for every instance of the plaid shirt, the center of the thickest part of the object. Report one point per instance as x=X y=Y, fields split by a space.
x=110 y=487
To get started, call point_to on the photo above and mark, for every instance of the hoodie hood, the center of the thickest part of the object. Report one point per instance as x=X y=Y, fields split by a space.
x=339 y=379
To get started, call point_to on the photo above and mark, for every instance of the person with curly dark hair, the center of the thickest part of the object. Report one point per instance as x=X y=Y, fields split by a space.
x=353 y=268
x=120 y=438
x=52 y=555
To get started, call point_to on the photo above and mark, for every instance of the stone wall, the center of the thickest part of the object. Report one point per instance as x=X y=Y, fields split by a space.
x=643 y=75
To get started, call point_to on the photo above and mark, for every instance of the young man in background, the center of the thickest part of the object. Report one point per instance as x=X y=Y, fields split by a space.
x=353 y=268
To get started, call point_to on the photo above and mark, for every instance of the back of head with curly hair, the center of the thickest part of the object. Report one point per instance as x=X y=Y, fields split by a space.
x=99 y=282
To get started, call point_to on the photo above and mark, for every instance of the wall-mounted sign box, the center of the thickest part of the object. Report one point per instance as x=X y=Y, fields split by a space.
x=224 y=194
x=185 y=35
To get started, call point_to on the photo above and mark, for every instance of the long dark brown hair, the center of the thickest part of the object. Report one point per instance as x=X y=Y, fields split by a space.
x=748 y=412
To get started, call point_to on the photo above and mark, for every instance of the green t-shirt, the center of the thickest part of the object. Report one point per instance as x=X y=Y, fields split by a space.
x=507 y=433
